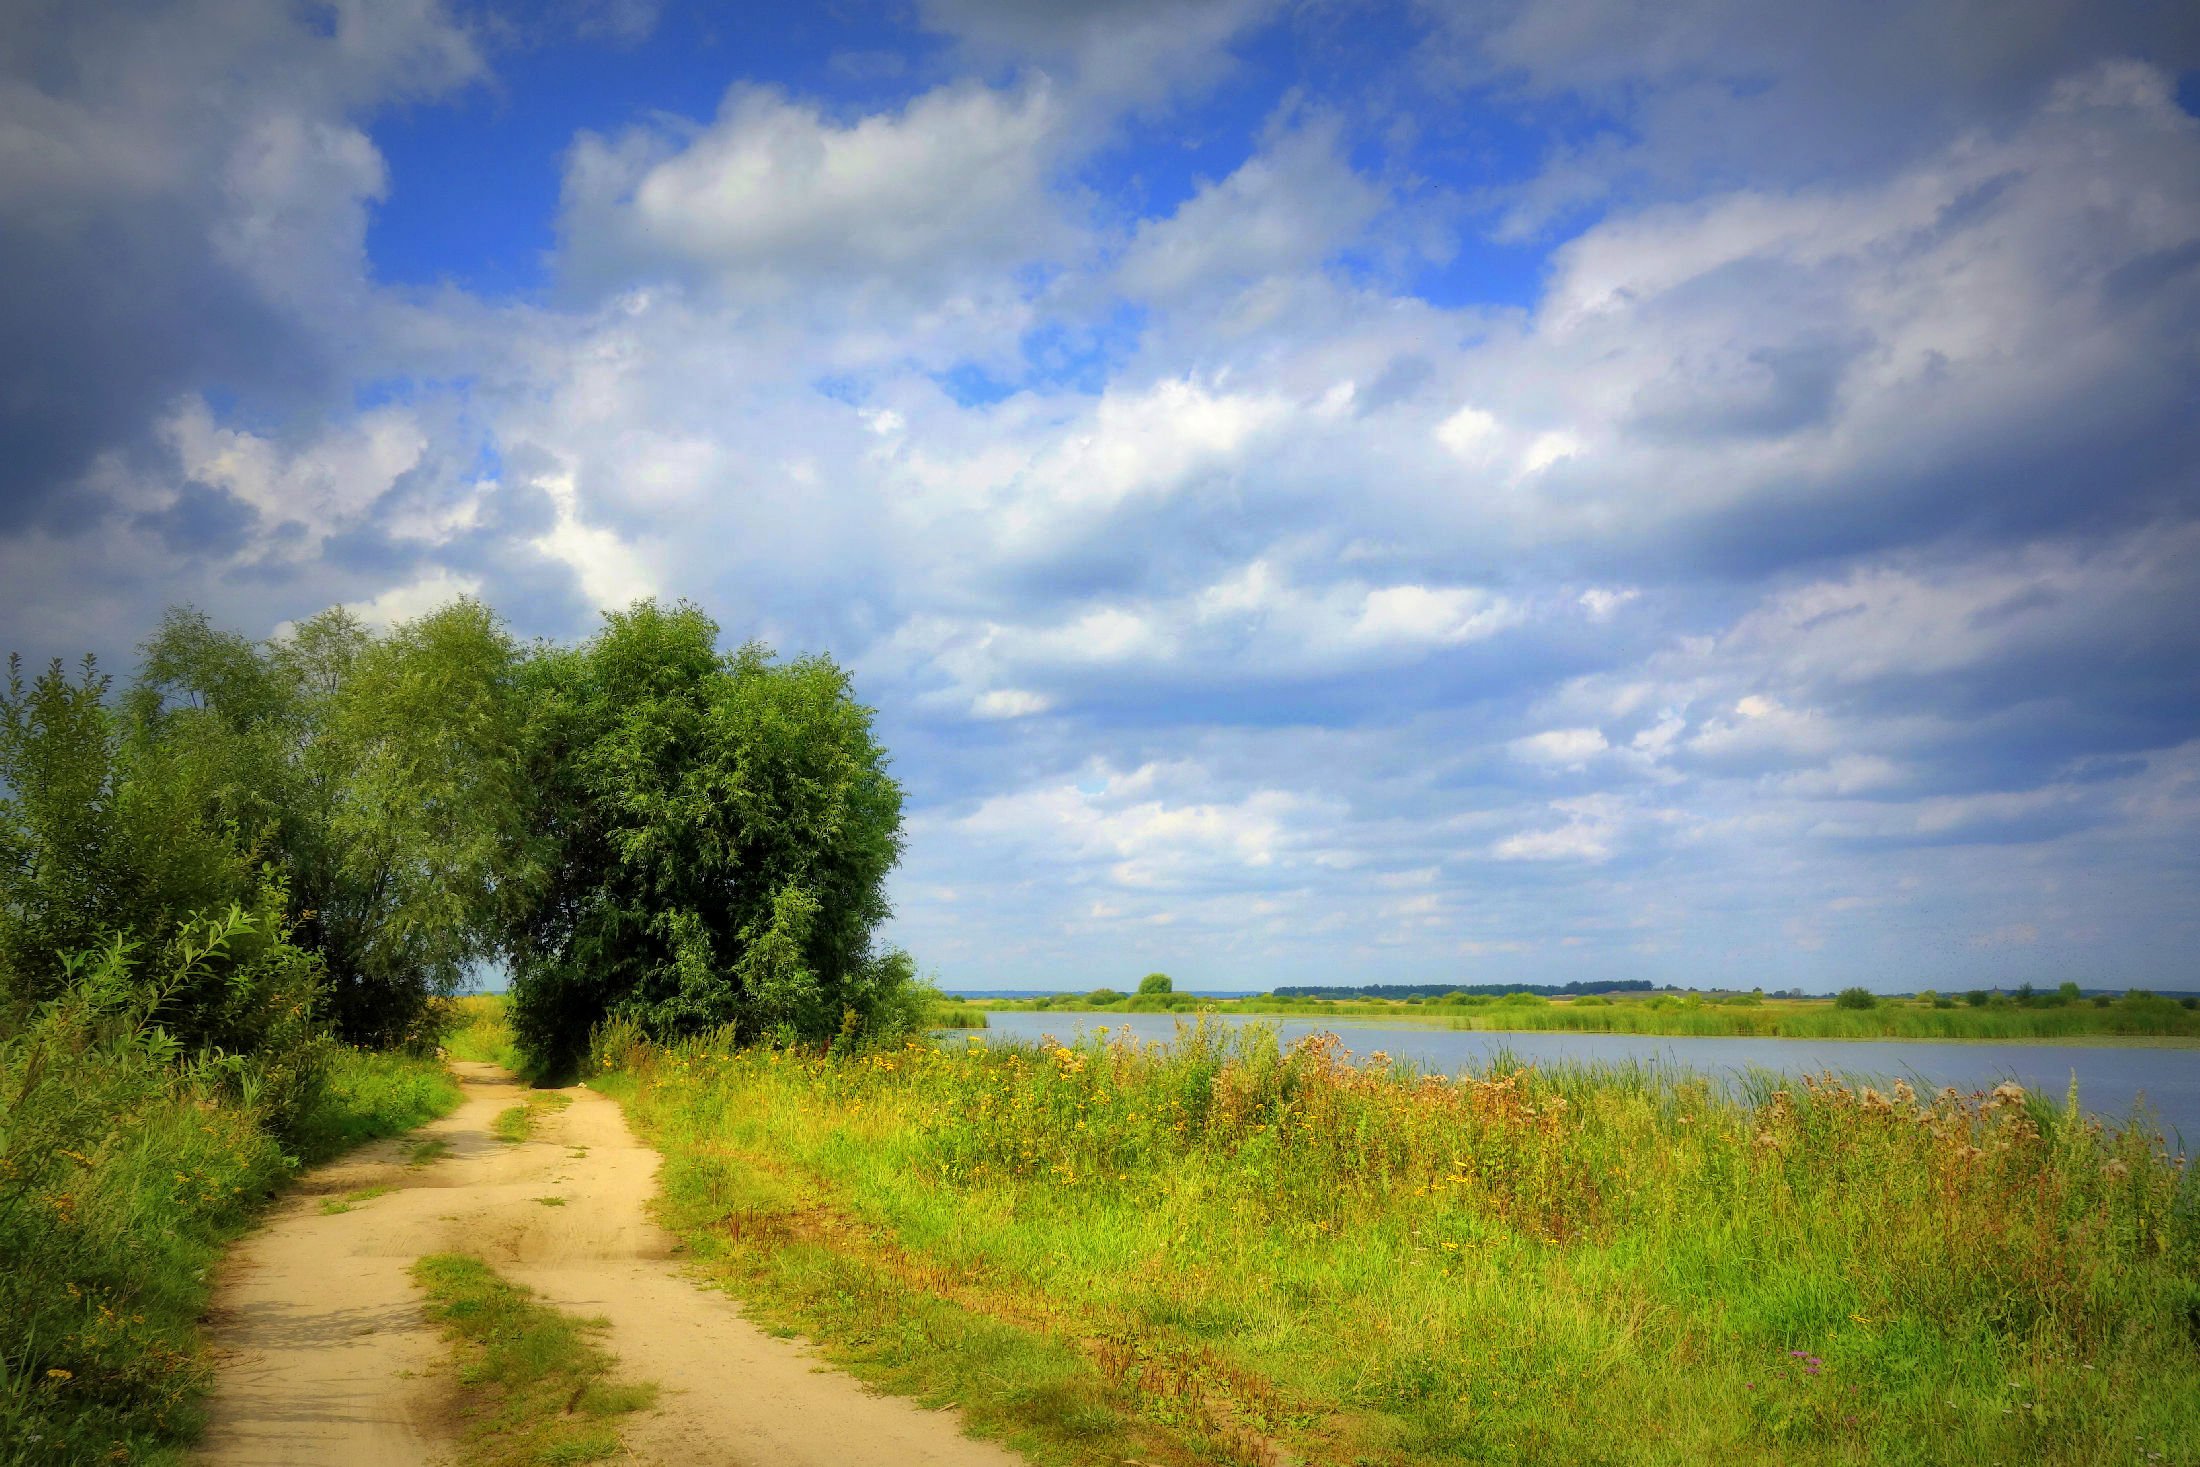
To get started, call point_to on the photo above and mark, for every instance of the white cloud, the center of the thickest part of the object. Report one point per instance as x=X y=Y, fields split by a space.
x=1569 y=748
x=1285 y=210
x=775 y=197
x=611 y=573
x=1010 y=703
x=1142 y=833
x=325 y=485
x=437 y=589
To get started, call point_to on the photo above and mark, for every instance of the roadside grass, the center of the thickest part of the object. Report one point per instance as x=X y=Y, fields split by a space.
x=370 y=1096
x=517 y=1123
x=2136 y=1016
x=536 y=1389
x=122 y=1178
x=478 y=1032
x=1230 y=1252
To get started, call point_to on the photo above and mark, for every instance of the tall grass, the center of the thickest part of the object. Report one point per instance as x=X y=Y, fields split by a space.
x=478 y=1028
x=124 y=1168
x=1230 y=1251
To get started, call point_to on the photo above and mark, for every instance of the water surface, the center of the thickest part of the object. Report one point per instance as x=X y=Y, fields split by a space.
x=2111 y=1078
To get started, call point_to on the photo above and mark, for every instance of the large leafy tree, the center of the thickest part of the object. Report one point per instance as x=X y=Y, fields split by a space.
x=378 y=774
x=715 y=832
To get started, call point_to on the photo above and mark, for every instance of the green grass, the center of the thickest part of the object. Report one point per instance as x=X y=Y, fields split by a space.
x=332 y=1206
x=537 y=1389
x=2135 y=1016
x=949 y=1014
x=517 y=1123
x=478 y=1032
x=122 y=1179
x=1228 y=1252
x=371 y=1096
x=426 y=1151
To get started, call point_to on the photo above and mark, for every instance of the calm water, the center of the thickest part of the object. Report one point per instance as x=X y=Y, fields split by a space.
x=2110 y=1080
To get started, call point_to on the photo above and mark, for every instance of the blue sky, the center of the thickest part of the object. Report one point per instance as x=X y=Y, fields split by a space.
x=1533 y=491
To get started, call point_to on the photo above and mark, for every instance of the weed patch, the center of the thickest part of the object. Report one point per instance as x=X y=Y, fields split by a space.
x=536 y=1387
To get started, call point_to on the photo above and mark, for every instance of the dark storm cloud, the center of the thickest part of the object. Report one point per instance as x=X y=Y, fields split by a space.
x=149 y=213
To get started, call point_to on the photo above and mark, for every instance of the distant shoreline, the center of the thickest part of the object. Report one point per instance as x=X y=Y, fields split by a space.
x=1453 y=1024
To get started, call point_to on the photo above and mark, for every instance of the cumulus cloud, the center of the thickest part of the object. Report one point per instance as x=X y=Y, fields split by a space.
x=1790 y=584
x=774 y=199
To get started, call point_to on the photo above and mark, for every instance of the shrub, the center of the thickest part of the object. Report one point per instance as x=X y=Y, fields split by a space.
x=121 y=1172
x=1855 y=998
x=1157 y=983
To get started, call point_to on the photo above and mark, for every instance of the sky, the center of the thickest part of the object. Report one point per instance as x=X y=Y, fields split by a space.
x=1536 y=491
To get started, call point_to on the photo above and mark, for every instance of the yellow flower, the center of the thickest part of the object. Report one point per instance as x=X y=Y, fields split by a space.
x=59 y=1374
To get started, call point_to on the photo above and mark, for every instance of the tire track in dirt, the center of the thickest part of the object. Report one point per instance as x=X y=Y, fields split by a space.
x=324 y=1356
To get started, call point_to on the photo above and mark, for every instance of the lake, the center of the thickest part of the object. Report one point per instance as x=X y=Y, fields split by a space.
x=2111 y=1079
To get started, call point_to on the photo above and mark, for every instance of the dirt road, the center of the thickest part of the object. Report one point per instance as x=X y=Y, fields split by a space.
x=325 y=1359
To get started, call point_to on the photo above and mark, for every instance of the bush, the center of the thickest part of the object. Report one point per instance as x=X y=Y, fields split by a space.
x=122 y=1170
x=1976 y=998
x=1855 y=998
x=1157 y=983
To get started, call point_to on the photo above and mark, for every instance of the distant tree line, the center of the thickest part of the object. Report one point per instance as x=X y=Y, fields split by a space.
x=1470 y=990
x=642 y=826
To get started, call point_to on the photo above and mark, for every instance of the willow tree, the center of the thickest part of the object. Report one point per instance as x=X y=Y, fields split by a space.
x=713 y=833
x=376 y=772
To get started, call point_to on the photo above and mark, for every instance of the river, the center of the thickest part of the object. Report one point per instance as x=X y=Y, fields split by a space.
x=2111 y=1078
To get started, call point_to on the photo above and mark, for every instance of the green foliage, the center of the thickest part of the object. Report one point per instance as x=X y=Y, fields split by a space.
x=479 y=1028
x=1231 y=1251
x=1856 y=998
x=127 y=1160
x=101 y=834
x=714 y=834
x=1157 y=983
x=535 y=1387
x=380 y=772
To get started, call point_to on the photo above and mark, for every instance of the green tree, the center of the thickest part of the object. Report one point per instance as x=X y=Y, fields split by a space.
x=379 y=774
x=714 y=833
x=1157 y=983
x=102 y=835
x=1855 y=998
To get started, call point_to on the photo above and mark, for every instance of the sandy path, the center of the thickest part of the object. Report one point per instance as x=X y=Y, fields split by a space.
x=325 y=1358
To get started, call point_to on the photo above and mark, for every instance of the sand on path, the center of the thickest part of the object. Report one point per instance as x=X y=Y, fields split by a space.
x=324 y=1357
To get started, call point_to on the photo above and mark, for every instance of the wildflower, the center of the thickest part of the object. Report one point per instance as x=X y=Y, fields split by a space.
x=57 y=1373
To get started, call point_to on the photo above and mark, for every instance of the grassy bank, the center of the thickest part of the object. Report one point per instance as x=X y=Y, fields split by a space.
x=2049 y=1018
x=121 y=1179
x=1230 y=1253
x=536 y=1388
